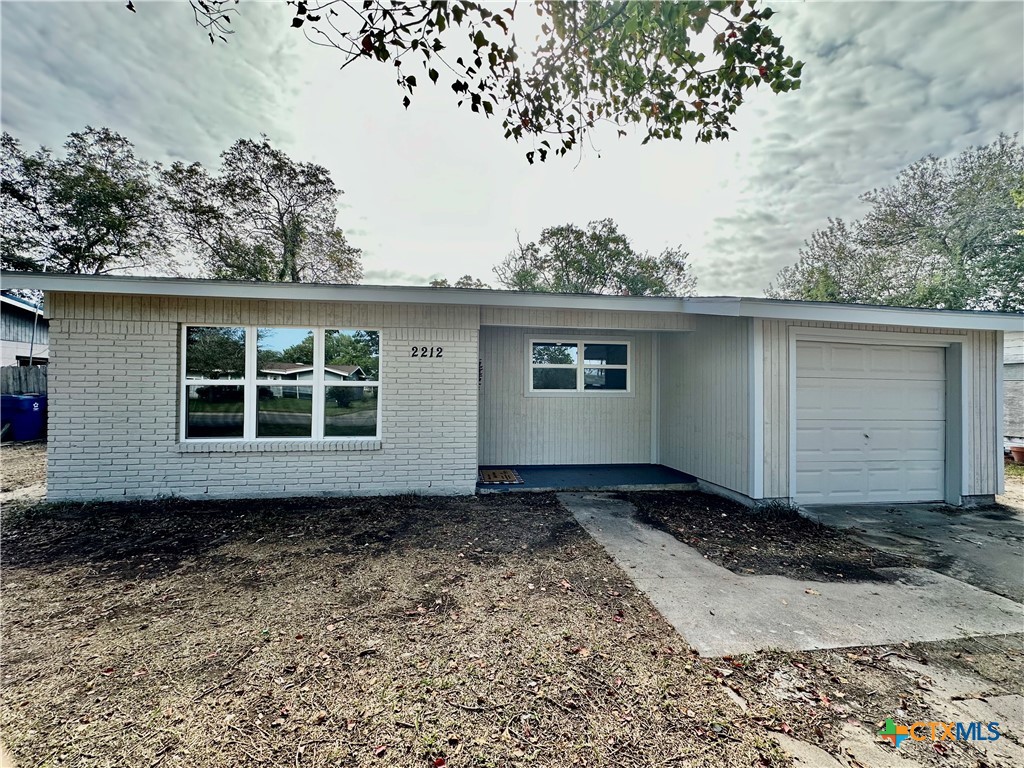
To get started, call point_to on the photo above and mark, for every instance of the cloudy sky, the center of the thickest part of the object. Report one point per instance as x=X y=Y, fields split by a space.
x=437 y=191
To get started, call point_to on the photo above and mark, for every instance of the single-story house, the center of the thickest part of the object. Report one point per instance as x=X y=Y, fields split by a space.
x=759 y=399
x=24 y=332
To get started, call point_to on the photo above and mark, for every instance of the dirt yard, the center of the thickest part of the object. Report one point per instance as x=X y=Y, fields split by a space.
x=1014 y=495
x=411 y=631
x=772 y=541
x=487 y=631
x=22 y=473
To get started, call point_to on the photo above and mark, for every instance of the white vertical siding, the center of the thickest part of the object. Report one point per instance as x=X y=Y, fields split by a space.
x=572 y=429
x=984 y=438
x=983 y=468
x=533 y=317
x=705 y=403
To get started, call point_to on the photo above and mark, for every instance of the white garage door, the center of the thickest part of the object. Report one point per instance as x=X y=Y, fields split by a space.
x=870 y=423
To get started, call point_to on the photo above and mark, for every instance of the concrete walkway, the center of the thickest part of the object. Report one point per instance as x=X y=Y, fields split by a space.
x=721 y=613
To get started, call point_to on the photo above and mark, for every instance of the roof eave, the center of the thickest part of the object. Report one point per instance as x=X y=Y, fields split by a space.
x=374 y=294
x=767 y=309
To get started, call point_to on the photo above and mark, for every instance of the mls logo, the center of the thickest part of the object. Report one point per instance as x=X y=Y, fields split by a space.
x=893 y=733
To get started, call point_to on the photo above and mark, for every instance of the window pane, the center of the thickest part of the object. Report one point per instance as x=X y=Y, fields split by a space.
x=548 y=353
x=216 y=411
x=284 y=353
x=554 y=378
x=351 y=355
x=604 y=354
x=284 y=412
x=215 y=353
x=604 y=378
x=350 y=412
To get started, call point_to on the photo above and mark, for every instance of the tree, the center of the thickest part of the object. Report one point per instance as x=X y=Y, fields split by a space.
x=264 y=216
x=946 y=234
x=599 y=259
x=466 y=281
x=340 y=348
x=95 y=210
x=621 y=63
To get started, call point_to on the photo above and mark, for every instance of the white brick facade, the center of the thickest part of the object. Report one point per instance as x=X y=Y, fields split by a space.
x=115 y=389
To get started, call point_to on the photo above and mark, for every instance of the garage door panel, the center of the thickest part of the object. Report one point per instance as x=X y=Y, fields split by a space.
x=822 y=441
x=859 y=483
x=870 y=423
x=820 y=398
x=864 y=361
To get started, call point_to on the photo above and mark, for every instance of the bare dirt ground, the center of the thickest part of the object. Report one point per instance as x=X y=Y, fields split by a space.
x=484 y=631
x=1014 y=494
x=487 y=631
x=771 y=541
x=834 y=700
x=22 y=474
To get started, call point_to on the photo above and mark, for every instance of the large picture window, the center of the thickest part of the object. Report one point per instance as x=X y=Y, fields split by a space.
x=256 y=383
x=579 y=366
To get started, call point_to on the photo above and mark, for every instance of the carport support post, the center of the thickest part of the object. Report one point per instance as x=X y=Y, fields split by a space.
x=955 y=391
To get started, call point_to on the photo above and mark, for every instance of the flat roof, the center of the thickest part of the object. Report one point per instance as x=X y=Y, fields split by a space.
x=726 y=306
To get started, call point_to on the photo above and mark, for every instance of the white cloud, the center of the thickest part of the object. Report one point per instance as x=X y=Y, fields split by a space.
x=436 y=190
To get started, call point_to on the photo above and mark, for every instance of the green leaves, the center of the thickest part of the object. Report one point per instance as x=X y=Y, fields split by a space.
x=945 y=234
x=606 y=60
x=94 y=210
x=598 y=259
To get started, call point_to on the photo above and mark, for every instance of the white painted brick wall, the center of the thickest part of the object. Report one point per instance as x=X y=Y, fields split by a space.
x=114 y=393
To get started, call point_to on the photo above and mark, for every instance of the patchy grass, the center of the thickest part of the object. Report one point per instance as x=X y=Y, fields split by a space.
x=1013 y=469
x=774 y=540
x=485 y=631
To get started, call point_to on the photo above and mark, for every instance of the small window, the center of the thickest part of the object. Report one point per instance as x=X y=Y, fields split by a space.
x=558 y=366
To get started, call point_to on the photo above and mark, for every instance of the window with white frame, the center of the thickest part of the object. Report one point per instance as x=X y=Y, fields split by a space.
x=579 y=366
x=256 y=383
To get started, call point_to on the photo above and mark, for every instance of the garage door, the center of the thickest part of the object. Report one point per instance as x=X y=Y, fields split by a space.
x=870 y=423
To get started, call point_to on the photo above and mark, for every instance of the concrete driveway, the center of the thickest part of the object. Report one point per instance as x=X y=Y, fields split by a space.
x=983 y=547
x=720 y=612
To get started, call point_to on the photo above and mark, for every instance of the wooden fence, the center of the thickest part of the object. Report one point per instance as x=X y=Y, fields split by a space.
x=23 y=380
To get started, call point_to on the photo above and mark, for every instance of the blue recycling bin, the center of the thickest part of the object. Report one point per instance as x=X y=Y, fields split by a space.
x=26 y=414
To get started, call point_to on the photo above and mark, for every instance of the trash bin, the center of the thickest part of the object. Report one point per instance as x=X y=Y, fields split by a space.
x=27 y=416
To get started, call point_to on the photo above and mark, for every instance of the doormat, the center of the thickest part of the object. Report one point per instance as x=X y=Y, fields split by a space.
x=499 y=477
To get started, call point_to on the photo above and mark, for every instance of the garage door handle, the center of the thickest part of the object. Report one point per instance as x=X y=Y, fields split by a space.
x=866 y=435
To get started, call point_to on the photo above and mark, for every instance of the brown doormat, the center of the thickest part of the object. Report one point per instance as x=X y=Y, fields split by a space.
x=499 y=476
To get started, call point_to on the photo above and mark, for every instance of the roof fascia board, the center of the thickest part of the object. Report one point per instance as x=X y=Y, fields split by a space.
x=186 y=288
x=855 y=313
x=19 y=305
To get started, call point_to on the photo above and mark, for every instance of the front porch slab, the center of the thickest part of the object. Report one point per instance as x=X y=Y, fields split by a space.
x=591 y=477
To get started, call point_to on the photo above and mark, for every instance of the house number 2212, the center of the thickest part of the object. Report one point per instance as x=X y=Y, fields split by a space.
x=427 y=352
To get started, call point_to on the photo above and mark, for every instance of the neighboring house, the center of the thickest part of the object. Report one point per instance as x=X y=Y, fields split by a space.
x=304 y=372
x=1013 y=385
x=296 y=371
x=17 y=317
x=759 y=399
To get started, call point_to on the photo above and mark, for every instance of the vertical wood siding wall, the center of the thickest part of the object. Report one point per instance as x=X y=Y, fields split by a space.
x=594 y=319
x=16 y=325
x=704 y=426
x=984 y=433
x=983 y=469
x=570 y=429
x=1013 y=384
